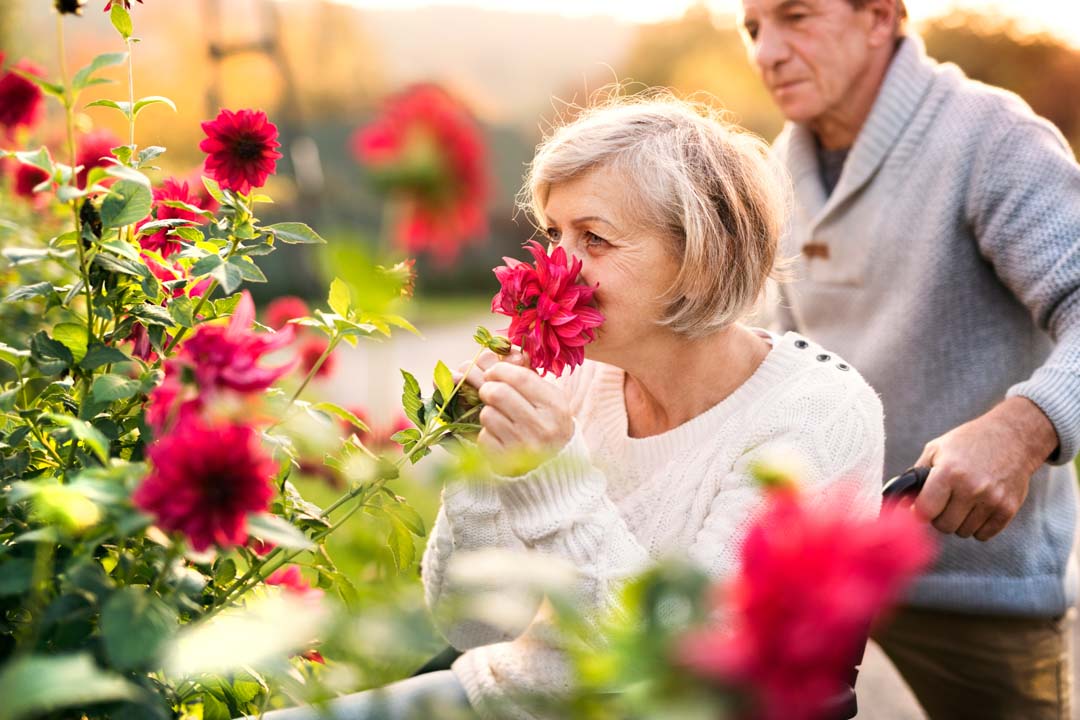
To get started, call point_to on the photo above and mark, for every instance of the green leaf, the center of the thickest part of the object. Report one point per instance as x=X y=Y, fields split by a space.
x=408 y=516
x=444 y=381
x=189 y=233
x=50 y=356
x=121 y=19
x=401 y=544
x=29 y=291
x=225 y=572
x=152 y=100
x=149 y=153
x=271 y=528
x=57 y=91
x=342 y=413
x=135 y=626
x=35 y=685
x=248 y=270
x=123 y=249
x=73 y=336
x=215 y=190
x=340 y=299
x=228 y=276
x=79 y=81
x=182 y=310
x=123 y=107
x=294 y=233
x=107 y=388
x=16 y=575
x=99 y=355
x=127 y=202
x=39 y=158
x=126 y=173
x=411 y=400
x=85 y=432
x=205 y=265
x=151 y=314
x=13 y=356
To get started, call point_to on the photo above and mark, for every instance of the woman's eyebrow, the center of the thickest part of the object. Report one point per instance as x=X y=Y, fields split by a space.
x=593 y=218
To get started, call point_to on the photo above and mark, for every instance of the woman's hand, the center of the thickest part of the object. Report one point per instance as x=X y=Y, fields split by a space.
x=523 y=414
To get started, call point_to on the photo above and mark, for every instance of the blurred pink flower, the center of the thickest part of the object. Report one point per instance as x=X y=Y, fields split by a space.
x=811 y=583
x=21 y=101
x=171 y=189
x=93 y=150
x=205 y=480
x=28 y=177
x=283 y=309
x=311 y=349
x=550 y=316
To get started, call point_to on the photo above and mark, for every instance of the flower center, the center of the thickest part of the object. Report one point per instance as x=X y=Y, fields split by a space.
x=247 y=148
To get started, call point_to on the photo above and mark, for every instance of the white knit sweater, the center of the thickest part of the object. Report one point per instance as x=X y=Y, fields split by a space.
x=611 y=504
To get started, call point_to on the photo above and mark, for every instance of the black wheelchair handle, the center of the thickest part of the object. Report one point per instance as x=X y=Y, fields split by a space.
x=906 y=485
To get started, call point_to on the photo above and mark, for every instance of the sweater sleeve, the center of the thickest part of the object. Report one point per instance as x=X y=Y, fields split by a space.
x=1025 y=207
x=562 y=508
x=469 y=519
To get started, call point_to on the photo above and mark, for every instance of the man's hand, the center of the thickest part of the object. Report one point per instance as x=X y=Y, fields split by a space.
x=980 y=470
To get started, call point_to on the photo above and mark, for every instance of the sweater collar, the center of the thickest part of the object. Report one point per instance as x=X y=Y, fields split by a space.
x=908 y=78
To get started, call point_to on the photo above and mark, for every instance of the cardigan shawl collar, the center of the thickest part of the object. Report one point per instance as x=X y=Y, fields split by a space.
x=906 y=82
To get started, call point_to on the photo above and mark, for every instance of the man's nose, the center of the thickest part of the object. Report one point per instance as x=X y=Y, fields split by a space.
x=770 y=49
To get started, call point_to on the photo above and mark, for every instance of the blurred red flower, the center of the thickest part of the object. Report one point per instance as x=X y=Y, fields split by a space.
x=311 y=349
x=283 y=309
x=204 y=482
x=171 y=189
x=378 y=436
x=550 y=316
x=28 y=177
x=425 y=149
x=93 y=149
x=810 y=584
x=240 y=148
x=21 y=101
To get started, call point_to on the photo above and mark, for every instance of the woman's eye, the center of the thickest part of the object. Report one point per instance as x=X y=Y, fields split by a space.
x=594 y=240
x=552 y=234
x=795 y=17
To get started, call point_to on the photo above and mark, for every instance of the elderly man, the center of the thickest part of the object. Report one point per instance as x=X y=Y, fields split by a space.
x=937 y=234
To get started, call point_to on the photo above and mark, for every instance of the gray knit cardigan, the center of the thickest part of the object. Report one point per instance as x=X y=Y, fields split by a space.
x=953 y=281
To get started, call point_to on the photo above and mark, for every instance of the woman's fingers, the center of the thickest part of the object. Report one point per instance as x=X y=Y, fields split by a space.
x=499 y=426
x=531 y=386
x=485 y=360
x=506 y=398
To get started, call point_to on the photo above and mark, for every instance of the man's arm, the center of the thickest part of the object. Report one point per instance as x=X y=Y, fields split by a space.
x=1025 y=212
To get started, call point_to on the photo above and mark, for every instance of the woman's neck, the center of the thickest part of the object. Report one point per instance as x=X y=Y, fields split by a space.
x=674 y=382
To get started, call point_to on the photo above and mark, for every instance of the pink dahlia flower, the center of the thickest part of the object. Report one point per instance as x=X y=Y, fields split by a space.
x=94 y=150
x=283 y=309
x=549 y=311
x=240 y=149
x=810 y=585
x=204 y=482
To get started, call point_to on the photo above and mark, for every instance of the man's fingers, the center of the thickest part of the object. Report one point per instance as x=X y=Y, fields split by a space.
x=997 y=522
x=975 y=519
x=954 y=514
x=934 y=496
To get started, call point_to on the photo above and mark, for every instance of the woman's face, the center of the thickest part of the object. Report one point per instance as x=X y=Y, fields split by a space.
x=630 y=266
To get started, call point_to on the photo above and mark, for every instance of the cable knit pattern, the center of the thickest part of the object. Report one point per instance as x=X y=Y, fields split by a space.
x=953 y=280
x=611 y=504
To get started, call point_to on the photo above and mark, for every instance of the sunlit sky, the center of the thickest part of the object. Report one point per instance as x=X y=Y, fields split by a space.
x=1061 y=17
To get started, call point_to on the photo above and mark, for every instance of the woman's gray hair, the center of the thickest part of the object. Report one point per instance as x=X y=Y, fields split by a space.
x=708 y=187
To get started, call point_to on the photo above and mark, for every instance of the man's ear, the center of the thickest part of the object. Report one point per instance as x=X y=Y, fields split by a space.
x=884 y=21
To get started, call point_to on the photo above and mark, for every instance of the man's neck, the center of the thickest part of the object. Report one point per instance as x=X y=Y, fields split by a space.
x=838 y=127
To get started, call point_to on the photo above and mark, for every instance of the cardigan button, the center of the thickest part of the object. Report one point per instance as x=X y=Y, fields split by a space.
x=824 y=358
x=802 y=344
x=843 y=366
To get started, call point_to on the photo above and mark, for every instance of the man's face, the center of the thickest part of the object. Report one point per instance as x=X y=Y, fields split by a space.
x=810 y=53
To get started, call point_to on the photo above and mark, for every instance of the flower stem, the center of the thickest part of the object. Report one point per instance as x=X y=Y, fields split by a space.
x=334 y=340
x=131 y=99
x=199 y=306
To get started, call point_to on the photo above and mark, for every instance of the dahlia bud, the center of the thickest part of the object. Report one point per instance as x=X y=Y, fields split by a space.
x=69 y=7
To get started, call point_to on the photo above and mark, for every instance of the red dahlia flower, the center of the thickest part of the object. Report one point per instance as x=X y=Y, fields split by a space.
x=205 y=481
x=21 y=101
x=28 y=177
x=240 y=148
x=215 y=359
x=171 y=189
x=810 y=584
x=425 y=149
x=94 y=147
x=283 y=309
x=550 y=316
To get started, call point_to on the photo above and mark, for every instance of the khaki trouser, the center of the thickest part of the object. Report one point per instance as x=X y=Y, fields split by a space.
x=982 y=666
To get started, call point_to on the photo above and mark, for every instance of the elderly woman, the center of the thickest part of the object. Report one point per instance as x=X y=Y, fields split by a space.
x=675 y=216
